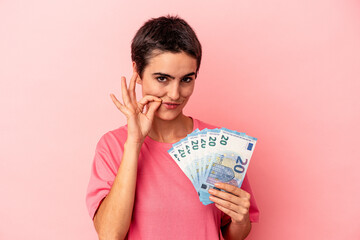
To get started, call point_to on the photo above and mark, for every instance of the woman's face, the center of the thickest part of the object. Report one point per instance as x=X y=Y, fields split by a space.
x=171 y=77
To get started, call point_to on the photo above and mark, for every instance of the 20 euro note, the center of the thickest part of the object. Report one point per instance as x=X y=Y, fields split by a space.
x=191 y=143
x=211 y=148
x=191 y=164
x=230 y=163
x=177 y=154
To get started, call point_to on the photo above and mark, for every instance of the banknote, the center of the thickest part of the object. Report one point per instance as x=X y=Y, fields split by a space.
x=213 y=155
x=178 y=153
x=192 y=144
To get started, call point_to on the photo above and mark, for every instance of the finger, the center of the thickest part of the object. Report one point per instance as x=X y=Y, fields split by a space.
x=132 y=87
x=224 y=203
x=233 y=189
x=124 y=92
x=226 y=196
x=121 y=107
x=116 y=101
x=152 y=107
x=145 y=100
x=227 y=211
x=234 y=215
x=242 y=204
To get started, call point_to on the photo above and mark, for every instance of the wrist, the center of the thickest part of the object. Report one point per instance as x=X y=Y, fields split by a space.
x=133 y=143
x=245 y=221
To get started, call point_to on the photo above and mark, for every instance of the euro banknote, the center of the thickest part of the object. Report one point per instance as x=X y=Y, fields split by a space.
x=213 y=155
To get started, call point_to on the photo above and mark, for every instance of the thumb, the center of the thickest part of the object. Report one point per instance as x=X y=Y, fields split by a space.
x=153 y=106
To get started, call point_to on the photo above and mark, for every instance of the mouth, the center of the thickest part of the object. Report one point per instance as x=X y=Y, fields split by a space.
x=170 y=105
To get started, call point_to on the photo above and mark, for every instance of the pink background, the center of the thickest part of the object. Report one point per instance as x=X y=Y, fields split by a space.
x=286 y=72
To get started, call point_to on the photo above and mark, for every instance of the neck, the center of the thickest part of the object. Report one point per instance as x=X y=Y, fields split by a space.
x=171 y=131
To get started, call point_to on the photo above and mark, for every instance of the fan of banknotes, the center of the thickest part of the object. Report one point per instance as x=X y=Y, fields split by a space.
x=213 y=155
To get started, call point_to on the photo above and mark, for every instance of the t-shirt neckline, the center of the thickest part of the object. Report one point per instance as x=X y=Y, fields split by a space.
x=152 y=141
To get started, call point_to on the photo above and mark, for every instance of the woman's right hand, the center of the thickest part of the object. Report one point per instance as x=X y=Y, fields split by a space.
x=139 y=122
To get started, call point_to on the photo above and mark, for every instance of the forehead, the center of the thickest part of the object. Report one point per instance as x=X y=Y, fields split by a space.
x=171 y=63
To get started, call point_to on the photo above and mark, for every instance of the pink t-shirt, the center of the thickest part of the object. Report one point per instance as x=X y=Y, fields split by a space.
x=166 y=205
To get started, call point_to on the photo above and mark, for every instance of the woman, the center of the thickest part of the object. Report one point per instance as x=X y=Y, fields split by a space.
x=136 y=190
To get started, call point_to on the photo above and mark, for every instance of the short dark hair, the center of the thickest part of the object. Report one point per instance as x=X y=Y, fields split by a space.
x=164 y=34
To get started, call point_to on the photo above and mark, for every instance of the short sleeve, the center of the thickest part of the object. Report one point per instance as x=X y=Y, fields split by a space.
x=105 y=165
x=253 y=210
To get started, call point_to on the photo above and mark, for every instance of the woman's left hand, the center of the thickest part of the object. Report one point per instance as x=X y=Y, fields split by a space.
x=235 y=202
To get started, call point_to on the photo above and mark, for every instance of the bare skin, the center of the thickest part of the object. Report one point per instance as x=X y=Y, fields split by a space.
x=168 y=79
x=113 y=218
x=235 y=203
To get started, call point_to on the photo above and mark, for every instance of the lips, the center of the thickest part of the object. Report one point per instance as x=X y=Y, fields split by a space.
x=171 y=105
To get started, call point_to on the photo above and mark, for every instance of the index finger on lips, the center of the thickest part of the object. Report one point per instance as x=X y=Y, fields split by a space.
x=145 y=100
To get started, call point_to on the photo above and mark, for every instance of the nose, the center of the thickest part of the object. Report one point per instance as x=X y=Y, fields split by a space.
x=174 y=91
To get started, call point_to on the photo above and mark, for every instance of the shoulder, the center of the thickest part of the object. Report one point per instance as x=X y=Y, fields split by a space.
x=109 y=150
x=113 y=138
x=202 y=125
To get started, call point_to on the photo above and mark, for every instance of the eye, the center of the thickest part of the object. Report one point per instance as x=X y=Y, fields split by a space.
x=187 y=79
x=161 y=79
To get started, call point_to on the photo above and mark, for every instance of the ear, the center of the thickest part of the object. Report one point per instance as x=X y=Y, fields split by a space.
x=138 y=79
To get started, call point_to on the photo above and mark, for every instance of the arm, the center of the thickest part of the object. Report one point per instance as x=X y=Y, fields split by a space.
x=235 y=202
x=113 y=217
x=237 y=230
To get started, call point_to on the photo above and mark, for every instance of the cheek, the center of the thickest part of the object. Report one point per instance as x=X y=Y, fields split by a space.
x=154 y=90
x=150 y=89
x=187 y=92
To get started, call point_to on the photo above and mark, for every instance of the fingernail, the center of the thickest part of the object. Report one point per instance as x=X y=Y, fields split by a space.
x=217 y=184
x=211 y=190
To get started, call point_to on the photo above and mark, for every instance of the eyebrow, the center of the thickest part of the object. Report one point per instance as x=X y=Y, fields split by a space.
x=169 y=76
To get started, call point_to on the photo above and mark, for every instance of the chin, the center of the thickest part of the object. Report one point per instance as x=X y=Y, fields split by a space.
x=167 y=116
